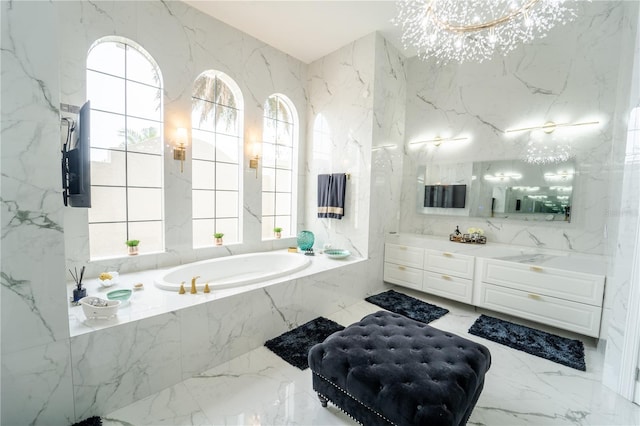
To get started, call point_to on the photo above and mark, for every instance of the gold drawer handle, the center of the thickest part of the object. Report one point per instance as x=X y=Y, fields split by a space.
x=446 y=277
x=402 y=268
x=447 y=254
x=536 y=268
x=534 y=296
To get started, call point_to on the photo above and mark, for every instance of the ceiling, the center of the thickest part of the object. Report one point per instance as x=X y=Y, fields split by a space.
x=307 y=30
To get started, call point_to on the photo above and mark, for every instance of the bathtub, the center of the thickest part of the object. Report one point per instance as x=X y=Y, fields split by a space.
x=233 y=271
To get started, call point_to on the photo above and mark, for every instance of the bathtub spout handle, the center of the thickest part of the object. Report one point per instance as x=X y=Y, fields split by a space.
x=193 y=284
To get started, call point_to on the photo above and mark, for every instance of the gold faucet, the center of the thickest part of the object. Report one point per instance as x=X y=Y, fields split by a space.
x=181 y=291
x=206 y=288
x=193 y=284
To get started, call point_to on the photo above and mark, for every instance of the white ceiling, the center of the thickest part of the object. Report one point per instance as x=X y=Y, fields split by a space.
x=306 y=30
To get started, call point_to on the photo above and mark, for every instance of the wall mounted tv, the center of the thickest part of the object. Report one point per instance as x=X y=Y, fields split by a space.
x=76 y=160
x=450 y=196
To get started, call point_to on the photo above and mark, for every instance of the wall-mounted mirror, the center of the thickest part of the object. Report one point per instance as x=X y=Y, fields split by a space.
x=505 y=189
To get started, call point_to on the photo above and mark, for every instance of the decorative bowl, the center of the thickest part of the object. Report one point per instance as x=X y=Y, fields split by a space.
x=95 y=307
x=107 y=279
x=122 y=295
x=305 y=240
x=337 y=253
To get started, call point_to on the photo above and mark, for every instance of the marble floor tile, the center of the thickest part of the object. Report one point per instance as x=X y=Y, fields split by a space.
x=259 y=388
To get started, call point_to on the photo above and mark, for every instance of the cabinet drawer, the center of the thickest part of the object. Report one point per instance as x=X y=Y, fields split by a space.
x=460 y=289
x=403 y=275
x=455 y=264
x=404 y=255
x=572 y=286
x=560 y=313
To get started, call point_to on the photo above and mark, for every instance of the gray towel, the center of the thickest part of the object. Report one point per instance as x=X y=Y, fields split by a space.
x=331 y=195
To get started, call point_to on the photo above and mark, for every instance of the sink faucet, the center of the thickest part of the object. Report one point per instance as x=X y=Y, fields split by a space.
x=193 y=284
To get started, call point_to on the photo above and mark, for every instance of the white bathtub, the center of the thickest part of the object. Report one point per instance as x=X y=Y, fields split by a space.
x=233 y=271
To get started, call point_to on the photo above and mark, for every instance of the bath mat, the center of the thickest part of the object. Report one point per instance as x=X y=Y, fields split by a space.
x=293 y=346
x=569 y=352
x=91 y=421
x=408 y=306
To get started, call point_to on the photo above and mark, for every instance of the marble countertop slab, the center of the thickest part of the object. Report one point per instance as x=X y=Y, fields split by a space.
x=564 y=260
x=151 y=300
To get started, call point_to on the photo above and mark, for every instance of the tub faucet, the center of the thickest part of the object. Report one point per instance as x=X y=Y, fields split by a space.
x=193 y=284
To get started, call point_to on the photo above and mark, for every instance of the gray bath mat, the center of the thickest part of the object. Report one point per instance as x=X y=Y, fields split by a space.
x=408 y=306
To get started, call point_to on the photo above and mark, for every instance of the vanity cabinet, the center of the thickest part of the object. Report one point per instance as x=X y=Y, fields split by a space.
x=403 y=265
x=561 y=298
x=448 y=275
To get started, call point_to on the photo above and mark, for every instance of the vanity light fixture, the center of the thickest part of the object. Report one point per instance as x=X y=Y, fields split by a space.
x=562 y=175
x=437 y=141
x=561 y=188
x=389 y=146
x=526 y=188
x=550 y=126
x=180 y=151
x=503 y=177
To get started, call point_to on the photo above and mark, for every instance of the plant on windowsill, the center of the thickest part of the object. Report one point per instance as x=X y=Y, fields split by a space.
x=218 y=236
x=277 y=232
x=132 y=246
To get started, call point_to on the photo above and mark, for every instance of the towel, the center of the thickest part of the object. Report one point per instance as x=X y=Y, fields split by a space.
x=331 y=195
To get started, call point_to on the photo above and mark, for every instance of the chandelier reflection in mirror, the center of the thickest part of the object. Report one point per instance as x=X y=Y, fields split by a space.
x=473 y=30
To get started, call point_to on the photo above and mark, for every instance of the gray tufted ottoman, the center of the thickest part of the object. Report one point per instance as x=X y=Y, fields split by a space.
x=389 y=369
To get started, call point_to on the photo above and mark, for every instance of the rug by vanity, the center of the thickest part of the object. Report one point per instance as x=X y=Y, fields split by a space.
x=293 y=346
x=564 y=351
x=408 y=306
x=91 y=421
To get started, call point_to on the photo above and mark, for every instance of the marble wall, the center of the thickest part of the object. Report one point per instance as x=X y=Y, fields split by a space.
x=570 y=76
x=184 y=42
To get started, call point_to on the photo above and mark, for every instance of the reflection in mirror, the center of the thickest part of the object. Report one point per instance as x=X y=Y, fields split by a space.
x=505 y=189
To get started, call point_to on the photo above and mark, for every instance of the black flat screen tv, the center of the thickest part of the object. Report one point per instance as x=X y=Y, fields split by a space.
x=76 y=161
x=446 y=196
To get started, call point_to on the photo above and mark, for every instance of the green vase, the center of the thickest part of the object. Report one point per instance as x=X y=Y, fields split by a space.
x=305 y=240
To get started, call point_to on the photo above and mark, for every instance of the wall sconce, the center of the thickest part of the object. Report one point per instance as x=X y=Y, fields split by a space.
x=378 y=147
x=437 y=141
x=180 y=151
x=254 y=161
x=550 y=126
x=498 y=177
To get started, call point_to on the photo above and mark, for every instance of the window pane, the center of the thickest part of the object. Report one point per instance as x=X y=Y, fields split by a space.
x=270 y=108
x=144 y=170
x=203 y=233
x=268 y=179
x=227 y=177
x=283 y=157
x=227 y=148
x=227 y=120
x=202 y=115
x=203 y=204
x=283 y=204
x=226 y=204
x=108 y=204
x=283 y=112
x=144 y=101
x=145 y=204
x=202 y=145
x=105 y=92
x=284 y=222
x=107 y=130
x=267 y=227
x=144 y=136
x=149 y=234
x=204 y=87
x=268 y=155
x=224 y=95
x=107 y=168
x=229 y=227
x=283 y=180
x=284 y=134
x=203 y=175
x=140 y=69
x=107 y=57
x=107 y=239
x=268 y=204
x=269 y=131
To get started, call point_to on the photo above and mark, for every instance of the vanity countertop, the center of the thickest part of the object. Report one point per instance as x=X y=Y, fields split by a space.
x=570 y=261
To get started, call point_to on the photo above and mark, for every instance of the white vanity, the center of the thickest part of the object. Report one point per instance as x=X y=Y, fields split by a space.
x=560 y=289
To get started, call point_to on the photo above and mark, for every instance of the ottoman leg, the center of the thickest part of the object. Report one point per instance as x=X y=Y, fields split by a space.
x=323 y=400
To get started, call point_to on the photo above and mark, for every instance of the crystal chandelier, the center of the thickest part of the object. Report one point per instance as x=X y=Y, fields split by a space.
x=547 y=153
x=472 y=30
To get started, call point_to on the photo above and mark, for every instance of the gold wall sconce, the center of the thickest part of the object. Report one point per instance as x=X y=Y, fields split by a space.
x=550 y=126
x=387 y=146
x=254 y=162
x=180 y=151
x=437 y=141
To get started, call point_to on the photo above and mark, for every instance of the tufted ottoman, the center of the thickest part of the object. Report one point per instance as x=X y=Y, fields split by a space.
x=389 y=369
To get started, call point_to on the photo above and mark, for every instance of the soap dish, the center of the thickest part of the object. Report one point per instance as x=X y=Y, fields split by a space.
x=122 y=295
x=95 y=307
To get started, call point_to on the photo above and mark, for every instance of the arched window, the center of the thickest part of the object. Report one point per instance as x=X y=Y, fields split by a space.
x=124 y=85
x=216 y=121
x=279 y=166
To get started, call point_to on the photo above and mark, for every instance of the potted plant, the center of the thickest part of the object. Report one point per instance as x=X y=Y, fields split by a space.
x=133 y=246
x=277 y=231
x=218 y=236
